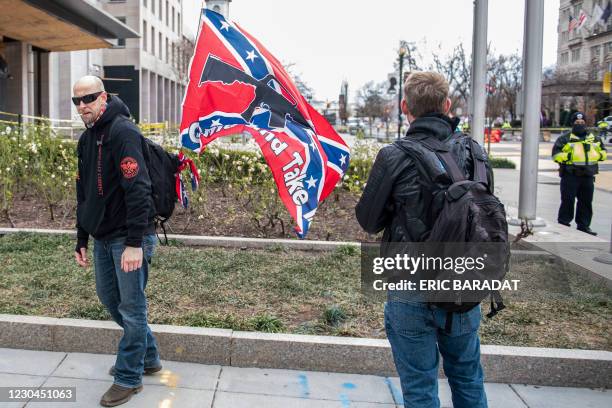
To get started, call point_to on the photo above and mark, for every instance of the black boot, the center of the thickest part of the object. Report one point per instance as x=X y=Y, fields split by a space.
x=587 y=230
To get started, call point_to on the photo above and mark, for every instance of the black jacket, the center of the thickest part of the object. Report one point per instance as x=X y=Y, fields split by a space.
x=397 y=196
x=113 y=186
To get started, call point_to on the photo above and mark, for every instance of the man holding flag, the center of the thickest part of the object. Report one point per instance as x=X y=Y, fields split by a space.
x=235 y=86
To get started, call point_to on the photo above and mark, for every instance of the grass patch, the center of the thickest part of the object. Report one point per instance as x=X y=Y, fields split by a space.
x=290 y=291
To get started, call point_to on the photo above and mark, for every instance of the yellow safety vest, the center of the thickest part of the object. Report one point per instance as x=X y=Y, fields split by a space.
x=574 y=151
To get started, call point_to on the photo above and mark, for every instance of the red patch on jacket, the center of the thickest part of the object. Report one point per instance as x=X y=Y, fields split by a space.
x=129 y=167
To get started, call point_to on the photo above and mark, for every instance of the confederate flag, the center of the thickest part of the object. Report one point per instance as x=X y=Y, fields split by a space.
x=236 y=85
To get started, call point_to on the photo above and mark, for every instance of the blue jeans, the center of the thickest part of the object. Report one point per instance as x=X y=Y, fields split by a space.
x=123 y=296
x=416 y=334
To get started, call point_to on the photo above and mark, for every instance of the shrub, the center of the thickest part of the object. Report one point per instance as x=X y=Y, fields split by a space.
x=334 y=315
x=501 y=163
x=267 y=323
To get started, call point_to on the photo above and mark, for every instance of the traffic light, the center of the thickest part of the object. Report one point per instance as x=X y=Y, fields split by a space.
x=392 y=84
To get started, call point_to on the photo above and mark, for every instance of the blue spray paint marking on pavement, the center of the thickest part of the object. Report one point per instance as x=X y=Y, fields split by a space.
x=344 y=399
x=346 y=402
x=303 y=380
x=397 y=395
x=349 y=386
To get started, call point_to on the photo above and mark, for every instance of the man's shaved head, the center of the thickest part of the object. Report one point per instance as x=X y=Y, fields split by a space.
x=88 y=85
x=90 y=82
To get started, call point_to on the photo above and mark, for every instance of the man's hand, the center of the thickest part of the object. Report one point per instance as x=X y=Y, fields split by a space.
x=81 y=257
x=131 y=259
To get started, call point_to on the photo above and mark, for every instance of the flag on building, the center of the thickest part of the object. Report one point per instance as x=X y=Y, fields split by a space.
x=572 y=24
x=596 y=14
x=235 y=86
x=582 y=19
x=606 y=14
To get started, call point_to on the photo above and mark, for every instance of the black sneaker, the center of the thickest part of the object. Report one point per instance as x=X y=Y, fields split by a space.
x=567 y=224
x=588 y=231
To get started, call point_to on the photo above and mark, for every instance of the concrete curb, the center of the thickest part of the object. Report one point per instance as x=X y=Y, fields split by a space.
x=219 y=241
x=259 y=243
x=518 y=365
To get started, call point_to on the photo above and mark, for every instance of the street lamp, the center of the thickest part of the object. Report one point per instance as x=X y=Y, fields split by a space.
x=402 y=52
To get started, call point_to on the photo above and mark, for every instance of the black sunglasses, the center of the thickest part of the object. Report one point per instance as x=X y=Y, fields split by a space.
x=86 y=98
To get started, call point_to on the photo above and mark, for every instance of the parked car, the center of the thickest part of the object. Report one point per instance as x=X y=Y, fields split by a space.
x=354 y=124
x=608 y=120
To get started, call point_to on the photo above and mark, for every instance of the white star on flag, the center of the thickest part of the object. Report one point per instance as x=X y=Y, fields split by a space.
x=216 y=122
x=343 y=159
x=251 y=55
x=311 y=182
x=312 y=145
x=225 y=26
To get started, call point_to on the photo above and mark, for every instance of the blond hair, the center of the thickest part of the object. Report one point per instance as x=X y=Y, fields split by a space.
x=425 y=92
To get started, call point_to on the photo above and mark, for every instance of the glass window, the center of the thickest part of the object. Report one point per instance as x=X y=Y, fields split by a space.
x=160 y=46
x=167 y=19
x=153 y=40
x=173 y=18
x=564 y=58
x=576 y=55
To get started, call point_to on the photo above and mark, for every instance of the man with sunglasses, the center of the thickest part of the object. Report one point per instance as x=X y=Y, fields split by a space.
x=115 y=206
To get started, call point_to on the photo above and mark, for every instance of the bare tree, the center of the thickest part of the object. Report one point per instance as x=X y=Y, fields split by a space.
x=372 y=102
x=343 y=103
x=581 y=90
x=456 y=69
x=306 y=91
x=182 y=51
x=505 y=74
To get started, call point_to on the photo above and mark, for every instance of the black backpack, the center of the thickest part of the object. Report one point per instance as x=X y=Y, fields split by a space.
x=471 y=214
x=164 y=171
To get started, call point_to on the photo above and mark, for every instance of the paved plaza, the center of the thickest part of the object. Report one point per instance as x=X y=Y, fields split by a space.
x=189 y=385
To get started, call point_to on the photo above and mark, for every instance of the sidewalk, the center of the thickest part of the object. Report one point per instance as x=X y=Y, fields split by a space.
x=187 y=385
x=548 y=200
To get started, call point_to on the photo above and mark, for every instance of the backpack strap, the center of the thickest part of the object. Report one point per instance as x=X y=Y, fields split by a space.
x=442 y=151
x=451 y=166
x=480 y=169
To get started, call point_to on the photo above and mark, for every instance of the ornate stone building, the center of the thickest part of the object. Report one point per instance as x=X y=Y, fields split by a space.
x=583 y=56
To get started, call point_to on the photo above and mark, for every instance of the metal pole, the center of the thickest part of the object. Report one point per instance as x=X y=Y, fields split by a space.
x=532 y=92
x=479 y=69
x=400 y=91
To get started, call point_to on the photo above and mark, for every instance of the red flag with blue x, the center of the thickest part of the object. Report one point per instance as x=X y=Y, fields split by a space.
x=236 y=85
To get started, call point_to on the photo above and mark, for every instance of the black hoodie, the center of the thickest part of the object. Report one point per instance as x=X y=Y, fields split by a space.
x=113 y=185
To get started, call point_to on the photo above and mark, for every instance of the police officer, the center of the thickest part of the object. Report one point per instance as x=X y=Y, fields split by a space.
x=603 y=130
x=577 y=153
